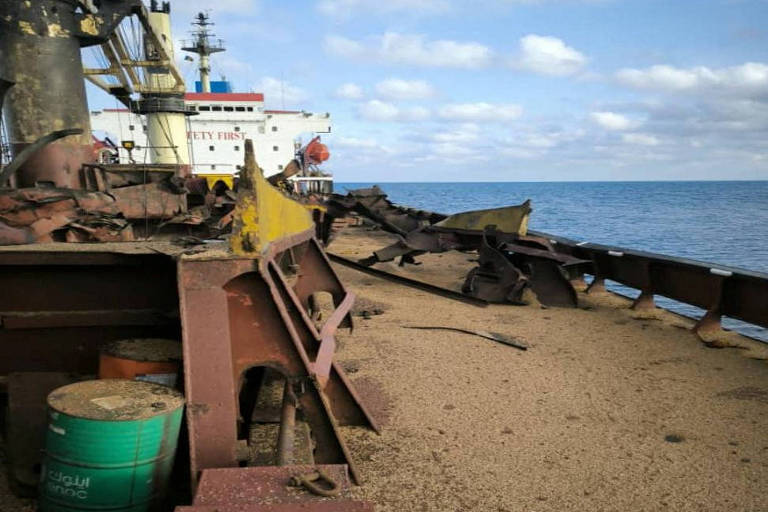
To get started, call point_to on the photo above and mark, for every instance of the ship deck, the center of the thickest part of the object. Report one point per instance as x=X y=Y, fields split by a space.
x=586 y=419
x=608 y=409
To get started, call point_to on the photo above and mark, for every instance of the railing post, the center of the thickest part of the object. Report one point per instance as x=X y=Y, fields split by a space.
x=710 y=323
x=645 y=302
x=598 y=283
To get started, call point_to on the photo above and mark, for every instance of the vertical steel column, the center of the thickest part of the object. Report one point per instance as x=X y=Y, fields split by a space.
x=40 y=52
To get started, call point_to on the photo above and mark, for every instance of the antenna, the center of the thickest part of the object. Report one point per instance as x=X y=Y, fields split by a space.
x=203 y=45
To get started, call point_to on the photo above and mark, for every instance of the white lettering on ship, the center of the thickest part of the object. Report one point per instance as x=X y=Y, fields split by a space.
x=216 y=135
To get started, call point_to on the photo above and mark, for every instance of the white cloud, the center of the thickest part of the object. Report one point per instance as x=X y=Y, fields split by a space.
x=376 y=110
x=480 y=112
x=749 y=77
x=343 y=9
x=397 y=89
x=412 y=50
x=452 y=151
x=611 y=120
x=349 y=91
x=343 y=47
x=353 y=142
x=549 y=56
x=467 y=132
x=230 y=65
x=541 y=141
x=640 y=139
x=279 y=93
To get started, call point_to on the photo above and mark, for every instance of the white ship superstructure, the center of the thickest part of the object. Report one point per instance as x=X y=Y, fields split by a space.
x=217 y=132
x=218 y=122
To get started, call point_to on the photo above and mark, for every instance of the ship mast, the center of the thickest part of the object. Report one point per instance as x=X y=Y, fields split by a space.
x=204 y=46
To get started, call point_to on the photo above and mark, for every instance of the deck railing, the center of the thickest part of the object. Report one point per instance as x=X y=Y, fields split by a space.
x=720 y=290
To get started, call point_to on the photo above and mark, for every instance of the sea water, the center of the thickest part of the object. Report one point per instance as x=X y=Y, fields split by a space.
x=719 y=222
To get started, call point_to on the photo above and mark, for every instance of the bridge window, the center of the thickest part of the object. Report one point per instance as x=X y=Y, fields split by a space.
x=229 y=109
x=216 y=109
x=250 y=109
x=205 y=108
x=240 y=109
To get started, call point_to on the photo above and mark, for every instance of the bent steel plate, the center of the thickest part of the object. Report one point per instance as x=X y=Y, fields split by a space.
x=240 y=313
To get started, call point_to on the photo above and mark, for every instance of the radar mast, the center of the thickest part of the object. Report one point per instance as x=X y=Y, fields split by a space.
x=204 y=45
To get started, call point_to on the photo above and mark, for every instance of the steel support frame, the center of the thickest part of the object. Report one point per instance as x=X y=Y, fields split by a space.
x=717 y=289
x=59 y=307
x=240 y=313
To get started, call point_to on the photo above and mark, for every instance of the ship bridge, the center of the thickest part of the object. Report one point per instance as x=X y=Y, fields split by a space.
x=217 y=131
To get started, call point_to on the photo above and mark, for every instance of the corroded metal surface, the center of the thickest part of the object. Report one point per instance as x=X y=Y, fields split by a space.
x=27 y=421
x=222 y=301
x=321 y=506
x=59 y=307
x=509 y=262
x=420 y=285
x=719 y=290
x=40 y=51
x=263 y=485
x=48 y=214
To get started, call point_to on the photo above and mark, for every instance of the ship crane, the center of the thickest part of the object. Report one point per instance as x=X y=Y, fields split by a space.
x=151 y=72
x=131 y=72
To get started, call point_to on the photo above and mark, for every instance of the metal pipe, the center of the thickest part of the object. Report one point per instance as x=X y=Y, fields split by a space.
x=443 y=292
x=287 y=434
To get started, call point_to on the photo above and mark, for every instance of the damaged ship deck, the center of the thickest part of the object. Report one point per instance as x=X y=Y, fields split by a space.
x=608 y=409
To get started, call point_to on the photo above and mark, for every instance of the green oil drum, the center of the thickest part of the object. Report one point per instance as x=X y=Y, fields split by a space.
x=110 y=445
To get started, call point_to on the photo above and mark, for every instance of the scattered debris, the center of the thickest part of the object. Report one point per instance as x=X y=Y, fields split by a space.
x=493 y=336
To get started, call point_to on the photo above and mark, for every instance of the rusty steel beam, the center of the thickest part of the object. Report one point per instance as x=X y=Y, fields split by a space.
x=718 y=289
x=40 y=50
x=241 y=313
x=58 y=308
x=419 y=285
x=271 y=489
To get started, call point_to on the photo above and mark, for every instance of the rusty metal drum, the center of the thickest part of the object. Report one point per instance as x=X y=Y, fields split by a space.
x=148 y=359
x=110 y=445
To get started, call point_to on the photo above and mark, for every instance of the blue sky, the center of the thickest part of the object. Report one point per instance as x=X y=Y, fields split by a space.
x=510 y=90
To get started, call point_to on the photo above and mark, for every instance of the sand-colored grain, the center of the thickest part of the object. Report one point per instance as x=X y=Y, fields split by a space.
x=586 y=419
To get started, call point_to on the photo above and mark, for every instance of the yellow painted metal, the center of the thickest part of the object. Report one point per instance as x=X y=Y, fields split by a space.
x=263 y=214
x=509 y=219
x=213 y=178
x=166 y=131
